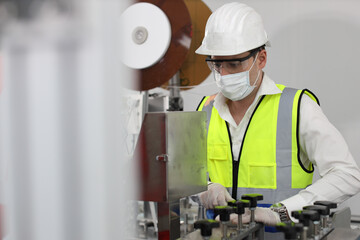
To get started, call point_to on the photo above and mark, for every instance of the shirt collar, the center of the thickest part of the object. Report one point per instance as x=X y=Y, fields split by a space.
x=267 y=87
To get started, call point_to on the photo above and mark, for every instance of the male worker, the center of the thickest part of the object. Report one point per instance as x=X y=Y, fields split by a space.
x=264 y=137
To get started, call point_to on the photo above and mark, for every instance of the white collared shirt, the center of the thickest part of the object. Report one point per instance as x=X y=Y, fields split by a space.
x=320 y=143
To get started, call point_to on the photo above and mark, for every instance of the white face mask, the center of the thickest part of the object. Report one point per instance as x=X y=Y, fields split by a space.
x=236 y=86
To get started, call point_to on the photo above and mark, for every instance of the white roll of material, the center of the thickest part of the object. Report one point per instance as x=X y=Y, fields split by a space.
x=145 y=35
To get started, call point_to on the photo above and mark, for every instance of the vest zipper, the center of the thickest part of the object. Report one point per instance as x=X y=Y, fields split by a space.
x=236 y=164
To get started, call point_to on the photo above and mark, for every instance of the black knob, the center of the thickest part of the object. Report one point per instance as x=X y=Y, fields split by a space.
x=290 y=229
x=328 y=204
x=239 y=205
x=297 y=214
x=206 y=226
x=253 y=198
x=306 y=216
x=298 y=227
x=322 y=210
x=224 y=212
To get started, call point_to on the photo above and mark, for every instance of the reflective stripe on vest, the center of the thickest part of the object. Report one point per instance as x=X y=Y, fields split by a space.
x=285 y=133
x=208 y=109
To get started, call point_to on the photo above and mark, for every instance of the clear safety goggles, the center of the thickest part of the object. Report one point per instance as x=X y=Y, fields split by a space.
x=234 y=65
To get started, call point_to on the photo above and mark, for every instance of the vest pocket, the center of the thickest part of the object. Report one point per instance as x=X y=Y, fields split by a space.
x=219 y=167
x=262 y=176
x=217 y=152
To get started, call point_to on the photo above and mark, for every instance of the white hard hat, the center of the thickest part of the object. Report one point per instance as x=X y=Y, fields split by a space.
x=232 y=29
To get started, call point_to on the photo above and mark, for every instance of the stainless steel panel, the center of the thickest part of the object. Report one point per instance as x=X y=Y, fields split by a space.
x=152 y=177
x=186 y=148
x=171 y=153
x=344 y=233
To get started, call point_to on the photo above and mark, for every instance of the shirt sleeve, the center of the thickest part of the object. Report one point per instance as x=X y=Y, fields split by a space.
x=323 y=145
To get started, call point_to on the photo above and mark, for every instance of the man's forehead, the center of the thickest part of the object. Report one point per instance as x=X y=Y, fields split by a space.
x=241 y=55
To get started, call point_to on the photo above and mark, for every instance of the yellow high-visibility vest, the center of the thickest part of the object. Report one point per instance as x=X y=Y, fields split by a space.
x=269 y=161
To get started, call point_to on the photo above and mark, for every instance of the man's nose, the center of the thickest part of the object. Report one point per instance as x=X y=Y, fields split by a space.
x=223 y=71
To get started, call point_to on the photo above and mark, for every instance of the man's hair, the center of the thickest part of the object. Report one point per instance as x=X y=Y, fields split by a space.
x=261 y=47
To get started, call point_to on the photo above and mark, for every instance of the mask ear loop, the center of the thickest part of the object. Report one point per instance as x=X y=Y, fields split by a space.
x=217 y=77
x=253 y=62
x=257 y=78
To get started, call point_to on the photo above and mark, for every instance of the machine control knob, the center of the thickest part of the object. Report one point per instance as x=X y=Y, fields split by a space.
x=322 y=210
x=305 y=216
x=253 y=198
x=239 y=205
x=206 y=226
x=224 y=212
x=291 y=230
x=298 y=227
x=328 y=204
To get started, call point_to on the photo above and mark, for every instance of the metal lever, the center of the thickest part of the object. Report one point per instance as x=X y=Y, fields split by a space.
x=240 y=206
x=206 y=227
x=253 y=198
x=291 y=230
x=224 y=212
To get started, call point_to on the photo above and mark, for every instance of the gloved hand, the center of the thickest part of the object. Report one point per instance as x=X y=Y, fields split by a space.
x=263 y=215
x=216 y=195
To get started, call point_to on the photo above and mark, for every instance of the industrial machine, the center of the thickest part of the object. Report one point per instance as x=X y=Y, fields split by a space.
x=315 y=222
x=171 y=157
x=159 y=41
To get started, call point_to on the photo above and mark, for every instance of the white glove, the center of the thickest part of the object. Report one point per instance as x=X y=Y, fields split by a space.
x=264 y=215
x=216 y=195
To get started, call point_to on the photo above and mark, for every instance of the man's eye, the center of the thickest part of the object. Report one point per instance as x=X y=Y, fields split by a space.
x=235 y=64
x=217 y=65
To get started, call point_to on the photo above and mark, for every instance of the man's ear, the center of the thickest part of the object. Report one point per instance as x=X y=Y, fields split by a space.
x=262 y=58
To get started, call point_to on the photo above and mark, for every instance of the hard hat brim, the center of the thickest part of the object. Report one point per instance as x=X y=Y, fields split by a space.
x=202 y=50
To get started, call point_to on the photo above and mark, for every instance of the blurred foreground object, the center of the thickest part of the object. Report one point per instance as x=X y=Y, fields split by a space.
x=63 y=167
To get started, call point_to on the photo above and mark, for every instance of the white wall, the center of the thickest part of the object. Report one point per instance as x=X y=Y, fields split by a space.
x=314 y=45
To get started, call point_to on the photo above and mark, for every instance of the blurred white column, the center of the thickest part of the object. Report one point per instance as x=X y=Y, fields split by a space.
x=64 y=174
